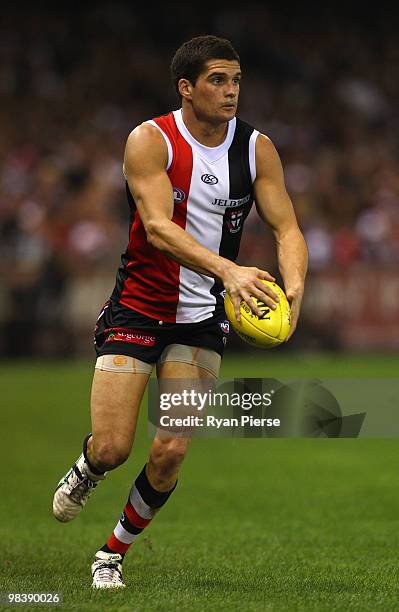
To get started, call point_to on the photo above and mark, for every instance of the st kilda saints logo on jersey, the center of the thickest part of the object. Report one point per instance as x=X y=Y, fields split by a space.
x=234 y=219
x=209 y=179
x=178 y=195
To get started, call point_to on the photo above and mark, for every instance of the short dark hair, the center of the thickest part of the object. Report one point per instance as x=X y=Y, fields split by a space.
x=189 y=60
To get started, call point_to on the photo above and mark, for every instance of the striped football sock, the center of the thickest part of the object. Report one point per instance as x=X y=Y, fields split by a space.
x=143 y=503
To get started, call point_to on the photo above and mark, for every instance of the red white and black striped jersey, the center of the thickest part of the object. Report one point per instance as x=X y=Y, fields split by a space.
x=213 y=194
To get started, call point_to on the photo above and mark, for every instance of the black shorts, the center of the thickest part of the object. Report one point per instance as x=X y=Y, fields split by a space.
x=123 y=331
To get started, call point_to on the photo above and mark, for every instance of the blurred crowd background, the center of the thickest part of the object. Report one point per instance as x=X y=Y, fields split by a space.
x=75 y=81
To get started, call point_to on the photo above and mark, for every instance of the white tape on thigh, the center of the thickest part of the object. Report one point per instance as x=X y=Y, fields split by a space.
x=123 y=363
x=194 y=355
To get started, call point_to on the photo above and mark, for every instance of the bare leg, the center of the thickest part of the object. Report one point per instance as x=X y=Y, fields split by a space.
x=156 y=481
x=167 y=454
x=115 y=405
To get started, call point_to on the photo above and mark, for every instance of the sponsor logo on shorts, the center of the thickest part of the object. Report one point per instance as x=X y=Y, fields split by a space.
x=178 y=195
x=225 y=326
x=209 y=179
x=130 y=335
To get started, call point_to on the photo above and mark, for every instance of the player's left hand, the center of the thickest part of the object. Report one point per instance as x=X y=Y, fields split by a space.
x=294 y=296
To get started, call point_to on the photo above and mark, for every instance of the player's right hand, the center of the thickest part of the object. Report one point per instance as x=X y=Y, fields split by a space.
x=241 y=283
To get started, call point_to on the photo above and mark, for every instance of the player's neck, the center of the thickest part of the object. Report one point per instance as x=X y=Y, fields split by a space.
x=208 y=134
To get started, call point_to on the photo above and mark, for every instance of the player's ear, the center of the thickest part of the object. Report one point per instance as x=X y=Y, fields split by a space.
x=185 y=88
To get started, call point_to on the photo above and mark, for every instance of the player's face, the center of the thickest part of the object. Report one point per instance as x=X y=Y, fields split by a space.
x=215 y=94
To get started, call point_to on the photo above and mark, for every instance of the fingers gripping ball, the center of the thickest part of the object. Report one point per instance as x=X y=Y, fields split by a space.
x=266 y=331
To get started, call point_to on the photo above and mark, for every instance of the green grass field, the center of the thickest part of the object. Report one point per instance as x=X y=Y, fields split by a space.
x=289 y=525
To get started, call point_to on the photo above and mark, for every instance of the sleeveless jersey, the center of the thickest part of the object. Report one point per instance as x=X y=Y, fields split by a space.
x=213 y=194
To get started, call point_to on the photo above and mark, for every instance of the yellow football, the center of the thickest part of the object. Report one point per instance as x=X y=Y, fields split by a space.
x=266 y=331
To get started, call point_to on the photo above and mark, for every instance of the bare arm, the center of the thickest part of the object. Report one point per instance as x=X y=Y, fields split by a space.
x=144 y=163
x=275 y=208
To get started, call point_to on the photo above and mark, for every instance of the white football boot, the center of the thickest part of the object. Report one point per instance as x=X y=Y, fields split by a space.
x=74 y=489
x=107 y=571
